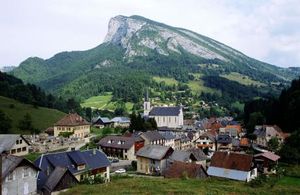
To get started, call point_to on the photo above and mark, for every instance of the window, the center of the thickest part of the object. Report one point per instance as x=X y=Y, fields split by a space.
x=13 y=151
x=21 y=141
x=19 y=150
x=10 y=176
x=17 y=142
x=25 y=172
x=23 y=149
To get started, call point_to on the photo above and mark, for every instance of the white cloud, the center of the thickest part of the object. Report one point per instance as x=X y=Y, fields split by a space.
x=267 y=30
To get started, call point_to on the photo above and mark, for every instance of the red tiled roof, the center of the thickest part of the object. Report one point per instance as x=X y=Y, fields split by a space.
x=237 y=127
x=178 y=169
x=235 y=161
x=71 y=120
x=244 y=142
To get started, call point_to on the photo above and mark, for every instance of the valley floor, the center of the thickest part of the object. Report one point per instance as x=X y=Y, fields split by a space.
x=286 y=185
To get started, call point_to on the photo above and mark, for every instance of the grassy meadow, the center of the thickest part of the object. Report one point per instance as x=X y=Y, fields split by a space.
x=184 y=186
x=42 y=118
x=104 y=102
x=242 y=79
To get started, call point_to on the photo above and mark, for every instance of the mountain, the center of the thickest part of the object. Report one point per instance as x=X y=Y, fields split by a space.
x=136 y=50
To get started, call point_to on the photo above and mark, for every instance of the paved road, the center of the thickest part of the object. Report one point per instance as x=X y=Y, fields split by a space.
x=120 y=164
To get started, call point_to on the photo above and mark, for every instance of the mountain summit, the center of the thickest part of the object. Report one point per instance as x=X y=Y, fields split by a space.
x=136 y=49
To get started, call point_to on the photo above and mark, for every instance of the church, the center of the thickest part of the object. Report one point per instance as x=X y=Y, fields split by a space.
x=171 y=116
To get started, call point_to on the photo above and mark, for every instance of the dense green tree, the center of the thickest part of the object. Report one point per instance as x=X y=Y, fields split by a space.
x=273 y=144
x=290 y=151
x=256 y=118
x=26 y=123
x=5 y=123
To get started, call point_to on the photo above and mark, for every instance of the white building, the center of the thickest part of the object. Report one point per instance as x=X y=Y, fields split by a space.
x=18 y=176
x=165 y=116
x=231 y=165
x=14 y=144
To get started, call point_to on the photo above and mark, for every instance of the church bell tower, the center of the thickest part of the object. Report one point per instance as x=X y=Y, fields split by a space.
x=147 y=105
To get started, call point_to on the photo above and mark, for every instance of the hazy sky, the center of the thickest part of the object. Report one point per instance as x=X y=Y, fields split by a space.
x=268 y=30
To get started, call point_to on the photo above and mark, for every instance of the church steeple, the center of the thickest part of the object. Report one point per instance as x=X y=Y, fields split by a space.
x=147 y=105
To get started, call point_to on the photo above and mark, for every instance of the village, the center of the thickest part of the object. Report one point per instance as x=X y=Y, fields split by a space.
x=70 y=153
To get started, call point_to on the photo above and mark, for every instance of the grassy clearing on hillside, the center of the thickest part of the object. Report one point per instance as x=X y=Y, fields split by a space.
x=103 y=102
x=42 y=118
x=180 y=186
x=198 y=87
x=168 y=81
x=242 y=79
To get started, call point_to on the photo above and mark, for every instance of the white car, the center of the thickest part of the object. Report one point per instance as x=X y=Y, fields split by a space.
x=120 y=171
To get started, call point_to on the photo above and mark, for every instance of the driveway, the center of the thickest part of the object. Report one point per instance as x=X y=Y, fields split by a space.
x=120 y=164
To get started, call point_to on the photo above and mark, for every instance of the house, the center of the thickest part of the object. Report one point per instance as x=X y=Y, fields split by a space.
x=224 y=142
x=185 y=142
x=74 y=124
x=206 y=140
x=199 y=155
x=122 y=122
x=266 y=162
x=266 y=132
x=152 y=159
x=18 y=175
x=181 y=169
x=231 y=165
x=182 y=156
x=14 y=144
x=101 y=122
x=171 y=117
x=121 y=146
x=171 y=140
x=82 y=164
x=233 y=130
x=60 y=179
x=153 y=137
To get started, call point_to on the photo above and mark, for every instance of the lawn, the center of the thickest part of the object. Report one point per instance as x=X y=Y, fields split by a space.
x=103 y=102
x=242 y=79
x=198 y=87
x=180 y=186
x=42 y=118
x=168 y=81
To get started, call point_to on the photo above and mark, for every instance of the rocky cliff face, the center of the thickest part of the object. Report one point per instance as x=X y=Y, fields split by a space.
x=136 y=35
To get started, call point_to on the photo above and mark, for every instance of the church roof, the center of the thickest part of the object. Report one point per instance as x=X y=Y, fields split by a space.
x=165 y=111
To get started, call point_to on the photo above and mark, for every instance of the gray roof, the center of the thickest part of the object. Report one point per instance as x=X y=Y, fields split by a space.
x=10 y=162
x=224 y=139
x=7 y=141
x=168 y=135
x=182 y=156
x=152 y=135
x=120 y=120
x=115 y=141
x=198 y=153
x=55 y=177
x=165 y=111
x=156 y=152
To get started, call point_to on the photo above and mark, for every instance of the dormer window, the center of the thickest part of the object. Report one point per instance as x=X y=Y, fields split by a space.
x=110 y=141
x=81 y=167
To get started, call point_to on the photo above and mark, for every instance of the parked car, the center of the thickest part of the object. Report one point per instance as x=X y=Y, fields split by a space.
x=114 y=160
x=120 y=171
